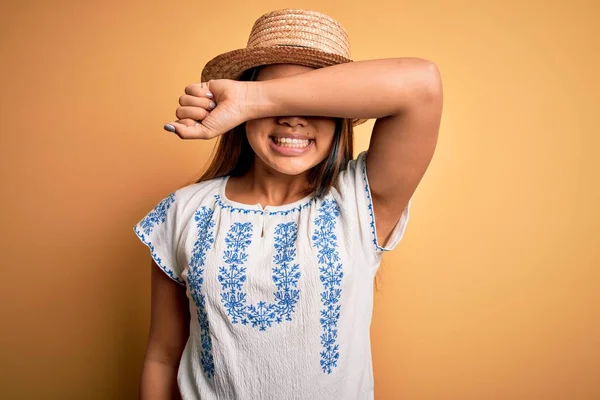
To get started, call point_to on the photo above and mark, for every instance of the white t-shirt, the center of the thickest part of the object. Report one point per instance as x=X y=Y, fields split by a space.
x=285 y=315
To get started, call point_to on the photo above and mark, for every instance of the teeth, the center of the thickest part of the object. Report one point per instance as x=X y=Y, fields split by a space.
x=289 y=142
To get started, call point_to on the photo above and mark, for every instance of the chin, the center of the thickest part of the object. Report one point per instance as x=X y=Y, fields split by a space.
x=288 y=164
x=290 y=167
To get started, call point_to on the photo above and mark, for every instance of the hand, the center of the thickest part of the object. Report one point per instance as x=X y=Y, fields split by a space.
x=198 y=120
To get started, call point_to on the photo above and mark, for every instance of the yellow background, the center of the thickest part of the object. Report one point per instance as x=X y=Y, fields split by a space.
x=494 y=291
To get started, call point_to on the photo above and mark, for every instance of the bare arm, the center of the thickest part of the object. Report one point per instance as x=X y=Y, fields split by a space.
x=169 y=331
x=404 y=94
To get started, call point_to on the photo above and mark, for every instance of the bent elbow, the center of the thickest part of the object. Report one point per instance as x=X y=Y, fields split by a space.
x=430 y=87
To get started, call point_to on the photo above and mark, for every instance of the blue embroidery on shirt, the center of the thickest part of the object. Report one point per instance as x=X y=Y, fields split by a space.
x=262 y=315
x=204 y=224
x=235 y=209
x=157 y=258
x=370 y=206
x=221 y=204
x=331 y=276
x=291 y=210
x=233 y=277
x=157 y=216
x=285 y=276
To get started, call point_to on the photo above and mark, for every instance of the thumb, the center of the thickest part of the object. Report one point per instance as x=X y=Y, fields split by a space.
x=192 y=129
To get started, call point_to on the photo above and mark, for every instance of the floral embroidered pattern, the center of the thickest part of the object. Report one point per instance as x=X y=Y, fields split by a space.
x=285 y=276
x=158 y=214
x=331 y=275
x=233 y=276
x=262 y=315
x=204 y=224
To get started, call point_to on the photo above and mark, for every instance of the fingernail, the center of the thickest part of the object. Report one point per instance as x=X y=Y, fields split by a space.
x=209 y=94
x=212 y=104
x=169 y=127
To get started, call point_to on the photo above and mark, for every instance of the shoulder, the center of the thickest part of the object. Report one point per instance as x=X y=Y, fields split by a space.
x=199 y=193
x=356 y=165
x=352 y=173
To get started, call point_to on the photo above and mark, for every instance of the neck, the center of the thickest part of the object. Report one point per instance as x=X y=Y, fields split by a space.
x=262 y=184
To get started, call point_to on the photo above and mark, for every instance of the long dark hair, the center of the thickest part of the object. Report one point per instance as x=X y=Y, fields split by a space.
x=232 y=155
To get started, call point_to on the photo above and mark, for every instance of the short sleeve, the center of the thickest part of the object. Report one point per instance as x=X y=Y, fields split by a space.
x=161 y=230
x=357 y=199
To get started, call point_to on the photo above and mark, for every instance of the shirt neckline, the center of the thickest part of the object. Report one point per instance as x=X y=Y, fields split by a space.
x=284 y=207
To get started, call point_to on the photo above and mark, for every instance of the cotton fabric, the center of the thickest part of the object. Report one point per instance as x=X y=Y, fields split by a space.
x=283 y=315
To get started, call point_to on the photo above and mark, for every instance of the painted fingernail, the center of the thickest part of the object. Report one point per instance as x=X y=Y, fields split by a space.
x=169 y=127
x=209 y=94
x=212 y=104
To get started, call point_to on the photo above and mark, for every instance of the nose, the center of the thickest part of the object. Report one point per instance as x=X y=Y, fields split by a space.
x=292 y=121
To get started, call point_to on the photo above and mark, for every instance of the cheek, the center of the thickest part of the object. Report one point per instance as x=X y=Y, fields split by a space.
x=256 y=130
x=326 y=134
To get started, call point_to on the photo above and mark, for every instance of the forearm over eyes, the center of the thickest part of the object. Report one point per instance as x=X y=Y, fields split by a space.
x=361 y=89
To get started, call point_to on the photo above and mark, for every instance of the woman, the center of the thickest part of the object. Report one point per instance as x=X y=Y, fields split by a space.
x=263 y=269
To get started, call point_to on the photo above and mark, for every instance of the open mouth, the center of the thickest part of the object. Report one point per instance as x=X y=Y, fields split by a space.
x=291 y=143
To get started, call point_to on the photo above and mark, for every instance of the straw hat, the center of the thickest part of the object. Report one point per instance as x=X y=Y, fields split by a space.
x=287 y=36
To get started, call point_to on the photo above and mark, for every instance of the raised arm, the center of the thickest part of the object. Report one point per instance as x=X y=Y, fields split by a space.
x=404 y=94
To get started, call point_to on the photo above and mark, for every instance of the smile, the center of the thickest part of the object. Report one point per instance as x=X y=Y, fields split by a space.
x=288 y=146
x=288 y=142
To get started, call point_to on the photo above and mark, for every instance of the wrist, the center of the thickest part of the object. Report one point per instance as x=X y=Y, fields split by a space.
x=258 y=104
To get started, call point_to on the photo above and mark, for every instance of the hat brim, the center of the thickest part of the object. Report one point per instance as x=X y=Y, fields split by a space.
x=232 y=64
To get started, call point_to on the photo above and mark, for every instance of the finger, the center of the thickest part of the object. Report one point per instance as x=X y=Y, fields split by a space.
x=198 y=90
x=204 y=102
x=196 y=113
x=187 y=122
x=188 y=129
x=181 y=124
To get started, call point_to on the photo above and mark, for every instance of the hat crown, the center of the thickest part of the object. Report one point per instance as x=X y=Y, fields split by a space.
x=300 y=28
x=294 y=36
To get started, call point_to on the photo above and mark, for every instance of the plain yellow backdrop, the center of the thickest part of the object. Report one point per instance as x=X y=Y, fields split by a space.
x=493 y=293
